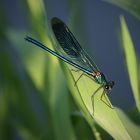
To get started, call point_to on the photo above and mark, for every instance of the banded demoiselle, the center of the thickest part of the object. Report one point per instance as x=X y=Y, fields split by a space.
x=72 y=53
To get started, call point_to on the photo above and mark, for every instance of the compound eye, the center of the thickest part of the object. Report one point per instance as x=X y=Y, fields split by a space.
x=107 y=87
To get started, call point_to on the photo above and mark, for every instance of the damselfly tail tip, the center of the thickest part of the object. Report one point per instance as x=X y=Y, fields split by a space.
x=27 y=38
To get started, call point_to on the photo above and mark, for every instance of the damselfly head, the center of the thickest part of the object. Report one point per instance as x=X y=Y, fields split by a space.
x=109 y=85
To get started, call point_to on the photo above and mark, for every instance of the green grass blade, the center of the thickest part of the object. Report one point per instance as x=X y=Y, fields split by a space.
x=106 y=117
x=131 y=61
x=133 y=130
x=37 y=18
x=132 y=6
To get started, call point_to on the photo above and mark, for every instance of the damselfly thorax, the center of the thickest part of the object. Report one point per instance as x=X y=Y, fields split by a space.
x=100 y=78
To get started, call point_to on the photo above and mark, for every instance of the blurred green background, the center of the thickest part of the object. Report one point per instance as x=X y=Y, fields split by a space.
x=37 y=97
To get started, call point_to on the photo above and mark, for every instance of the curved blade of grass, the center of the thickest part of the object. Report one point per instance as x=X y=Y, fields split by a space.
x=132 y=6
x=131 y=61
x=132 y=129
x=37 y=16
x=106 y=117
x=81 y=104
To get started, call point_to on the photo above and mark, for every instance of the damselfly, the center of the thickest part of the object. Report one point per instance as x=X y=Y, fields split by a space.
x=72 y=53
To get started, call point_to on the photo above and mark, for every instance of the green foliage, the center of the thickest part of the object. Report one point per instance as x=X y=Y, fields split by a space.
x=35 y=103
x=131 y=61
x=132 y=129
x=106 y=117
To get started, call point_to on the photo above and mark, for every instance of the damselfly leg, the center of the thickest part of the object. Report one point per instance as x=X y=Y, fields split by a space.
x=107 y=102
x=92 y=97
